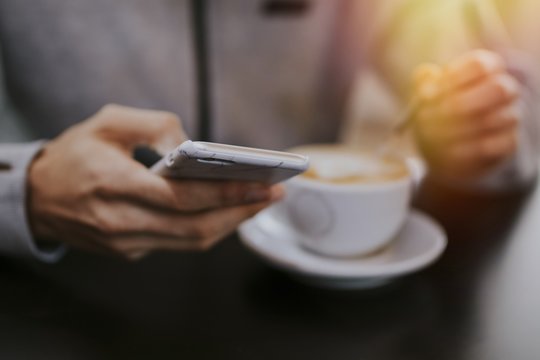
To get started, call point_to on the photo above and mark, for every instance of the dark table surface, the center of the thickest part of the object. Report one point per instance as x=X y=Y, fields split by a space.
x=481 y=300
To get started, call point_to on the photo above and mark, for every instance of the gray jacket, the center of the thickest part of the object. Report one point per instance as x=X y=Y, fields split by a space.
x=279 y=76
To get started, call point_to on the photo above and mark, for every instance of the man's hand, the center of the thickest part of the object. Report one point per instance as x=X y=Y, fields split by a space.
x=469 y=124
x=87 y=191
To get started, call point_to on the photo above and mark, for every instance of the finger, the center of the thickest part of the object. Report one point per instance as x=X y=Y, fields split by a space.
x=505 y=119
x=426 y=80
x=200 y=232
x=140 y=185
x=507 y=115
x=131 y=127
x=431 y=125
x=425 y=72
x=117 y=218
x=472 y=67
x=195 y=196
x=136 y=245
x=487 y=151
x=212 y=226
x=483 y=97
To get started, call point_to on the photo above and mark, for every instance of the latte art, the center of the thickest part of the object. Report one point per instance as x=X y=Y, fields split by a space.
x=341 y=165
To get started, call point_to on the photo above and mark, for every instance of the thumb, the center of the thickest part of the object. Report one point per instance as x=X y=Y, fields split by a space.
x=426 y=81
x=129 y=127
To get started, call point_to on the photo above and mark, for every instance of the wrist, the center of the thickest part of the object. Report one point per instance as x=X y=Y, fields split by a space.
x=37 y=228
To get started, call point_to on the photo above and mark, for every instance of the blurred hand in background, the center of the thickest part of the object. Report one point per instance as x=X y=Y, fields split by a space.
x=470 y=111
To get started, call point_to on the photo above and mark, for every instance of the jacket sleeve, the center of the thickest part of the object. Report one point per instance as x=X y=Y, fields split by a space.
x=15 y=235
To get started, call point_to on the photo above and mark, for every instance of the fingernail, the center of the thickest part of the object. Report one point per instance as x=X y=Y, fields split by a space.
x=509 y=85
x=490 y=61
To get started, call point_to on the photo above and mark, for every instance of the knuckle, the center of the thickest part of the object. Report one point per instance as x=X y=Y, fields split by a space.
x=101 y=186
x=94 y=175
x=106 y=225
x=109 y=107
x=105 y=118
x=105 y=180
x=168 y=120
x=108 y=110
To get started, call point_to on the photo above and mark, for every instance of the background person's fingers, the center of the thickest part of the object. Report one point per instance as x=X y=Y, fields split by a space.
x=505 y=119
x=426 y=81
x=426 y=72
x=508 y=117
x=431 y=126
x=485 y=151
x=471 y=67
x=483 y=97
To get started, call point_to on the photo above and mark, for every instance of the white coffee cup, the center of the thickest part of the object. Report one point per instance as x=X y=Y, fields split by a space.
x=348 y=218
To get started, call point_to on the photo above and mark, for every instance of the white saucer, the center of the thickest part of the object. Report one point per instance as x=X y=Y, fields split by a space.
x=420 y=243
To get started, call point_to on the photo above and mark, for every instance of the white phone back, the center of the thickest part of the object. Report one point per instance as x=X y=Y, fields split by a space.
x=199 y=160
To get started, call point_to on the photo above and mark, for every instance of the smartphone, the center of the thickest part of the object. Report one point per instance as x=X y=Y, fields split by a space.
x=204 y=160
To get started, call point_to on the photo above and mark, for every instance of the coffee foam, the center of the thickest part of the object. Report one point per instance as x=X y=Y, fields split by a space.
x=340 y=165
